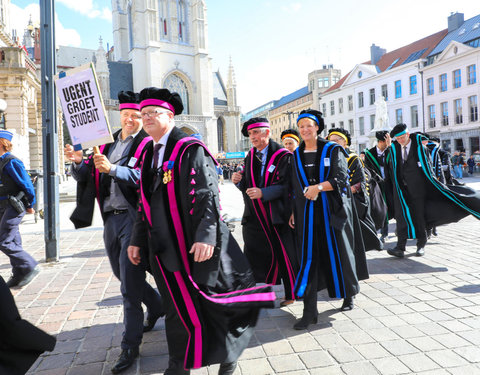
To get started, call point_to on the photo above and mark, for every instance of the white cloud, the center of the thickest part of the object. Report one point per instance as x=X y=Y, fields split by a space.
x=88 y=8
x=19 y=20
x=293 y=7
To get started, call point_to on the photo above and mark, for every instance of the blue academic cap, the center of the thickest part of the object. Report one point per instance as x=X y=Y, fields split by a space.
x=6 y=134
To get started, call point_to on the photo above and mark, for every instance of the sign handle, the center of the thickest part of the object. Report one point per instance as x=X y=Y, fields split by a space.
x=96 y=150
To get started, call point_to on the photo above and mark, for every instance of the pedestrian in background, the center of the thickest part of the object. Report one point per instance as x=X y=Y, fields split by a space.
x=17 y=197
x=471 y=165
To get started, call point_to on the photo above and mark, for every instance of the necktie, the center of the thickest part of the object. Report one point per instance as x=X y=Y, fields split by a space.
x=405 y=155
x=156 y=152
x=259 y=156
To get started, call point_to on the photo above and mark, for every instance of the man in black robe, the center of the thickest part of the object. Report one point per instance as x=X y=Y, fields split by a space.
x=420 y=199
x=375 y=163
x=269 y=244
x=207 y=286
x=112 y=176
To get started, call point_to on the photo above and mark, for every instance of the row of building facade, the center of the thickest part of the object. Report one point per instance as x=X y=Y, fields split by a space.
x=432 y=85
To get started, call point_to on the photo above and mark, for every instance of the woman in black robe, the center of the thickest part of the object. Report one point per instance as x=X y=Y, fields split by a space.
x=330 y=243
x=359 y=188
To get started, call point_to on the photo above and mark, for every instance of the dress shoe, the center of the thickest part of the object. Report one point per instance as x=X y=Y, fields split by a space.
x=22 y=280
x=420 y=252
x=286 y=302
x=175 y=367
x=149 y=323
x=396 y=252
x=383 y=239
x=305 y=322
x=126 y=359
x=347 y=304
x=434 y=231
x=227 y=368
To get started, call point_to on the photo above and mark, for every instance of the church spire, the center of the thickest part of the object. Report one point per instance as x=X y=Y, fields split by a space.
x=231 y=82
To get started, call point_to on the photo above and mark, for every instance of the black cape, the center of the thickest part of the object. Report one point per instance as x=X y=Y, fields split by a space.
x=21 y=343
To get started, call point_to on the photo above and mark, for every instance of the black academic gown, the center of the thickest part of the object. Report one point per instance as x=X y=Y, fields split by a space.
x=328 y=234
x=434 y=150
x=421 y=200
x=21 y=343
x=362 y=202
x=211 y=306
x=92 y=184
x=269 y=244
x=381 y=213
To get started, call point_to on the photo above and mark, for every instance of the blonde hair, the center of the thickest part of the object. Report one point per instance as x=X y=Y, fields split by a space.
x=7 y=145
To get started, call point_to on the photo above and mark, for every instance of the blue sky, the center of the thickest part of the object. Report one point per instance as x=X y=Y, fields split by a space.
x=275 y=43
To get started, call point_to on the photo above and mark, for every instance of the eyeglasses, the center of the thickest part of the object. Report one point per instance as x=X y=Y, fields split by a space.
x=152 y=114
x=133 y=117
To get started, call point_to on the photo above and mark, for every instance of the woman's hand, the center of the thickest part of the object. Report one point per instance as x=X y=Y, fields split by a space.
x=312 y=192
x=291 y=222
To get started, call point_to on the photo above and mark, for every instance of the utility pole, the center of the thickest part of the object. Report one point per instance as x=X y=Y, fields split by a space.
x=49 y=130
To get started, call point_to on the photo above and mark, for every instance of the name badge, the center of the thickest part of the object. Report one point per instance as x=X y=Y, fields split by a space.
x=326 y=161
x=419 y=165
x=271 y=169
x=132 y=162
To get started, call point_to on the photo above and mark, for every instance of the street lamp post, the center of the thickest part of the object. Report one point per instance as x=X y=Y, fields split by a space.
x=49 y=130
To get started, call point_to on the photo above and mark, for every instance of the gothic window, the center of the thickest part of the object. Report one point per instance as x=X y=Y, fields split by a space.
x=200 y=15
x=130 y=25
x=175 y=84
x=163 y=18
x=220 y=133
x=182 y=21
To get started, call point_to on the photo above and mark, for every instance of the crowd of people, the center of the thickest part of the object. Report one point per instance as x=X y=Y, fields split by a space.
x=312 y=208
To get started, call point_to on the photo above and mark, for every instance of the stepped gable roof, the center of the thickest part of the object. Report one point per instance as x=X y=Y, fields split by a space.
x=469 y=30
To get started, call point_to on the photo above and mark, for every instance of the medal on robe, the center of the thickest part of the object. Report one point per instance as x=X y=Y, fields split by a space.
x=167 y=171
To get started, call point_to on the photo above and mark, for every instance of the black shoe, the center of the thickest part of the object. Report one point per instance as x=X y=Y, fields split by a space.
x=22 y=280
x=126 y=359
x=347 y=304
x=149 y=323
x=383 y=239
x=420 y=252
x=396 y=252
x=227 y=368
x=305 y=322
x=175 y=368
x=429 y=234
x=434 y=231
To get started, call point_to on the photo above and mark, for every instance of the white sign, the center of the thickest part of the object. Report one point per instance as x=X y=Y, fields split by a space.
x=82 y=107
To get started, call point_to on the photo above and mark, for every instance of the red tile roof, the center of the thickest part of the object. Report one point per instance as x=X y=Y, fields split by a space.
x=428 y=43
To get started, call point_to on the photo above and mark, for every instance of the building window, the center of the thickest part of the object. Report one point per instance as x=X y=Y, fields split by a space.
x=444 y=113
x=163 y=18
x=472 y=74
x=361 y=125
x=350 y=127
x=459 y=144
x=220 y=134
x=399 y=116
x=372 y=96
x=385 y=92
x=431 y=116
x=360 y=100
x=350 y=102
x=413 y=85
x=430 y=86
x=324 y=109
x=458 y=111
x=457 y=78
x=372 y=122
x=182 y=21
x=473 y=107
x=340 y=105
x=332 y=107
x=443 y=82
x=398 y=89
x=414 y=116
x=323 y=82
x=474 y=144
x=175 y=84
x=340 y=124
x=332 y=125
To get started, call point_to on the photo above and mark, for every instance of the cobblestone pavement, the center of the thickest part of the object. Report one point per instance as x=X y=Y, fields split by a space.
x=413 y=316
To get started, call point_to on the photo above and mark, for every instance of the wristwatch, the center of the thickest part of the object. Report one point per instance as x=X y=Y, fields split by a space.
x=320 y=187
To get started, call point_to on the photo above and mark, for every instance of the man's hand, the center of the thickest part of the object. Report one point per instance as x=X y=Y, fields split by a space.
x=134 y=254
x=30 y=210
x=72 y=155
x=201 y=251
x=102 y=163
x=236 y=177
x=388 y=140
x=254 y=193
